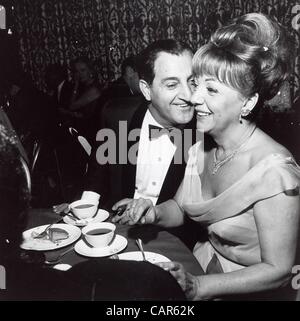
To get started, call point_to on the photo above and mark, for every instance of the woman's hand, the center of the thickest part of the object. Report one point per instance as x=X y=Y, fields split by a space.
x=138 y=211
x=188 y=282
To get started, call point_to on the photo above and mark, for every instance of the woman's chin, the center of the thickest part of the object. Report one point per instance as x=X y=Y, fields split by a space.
x=204 y=124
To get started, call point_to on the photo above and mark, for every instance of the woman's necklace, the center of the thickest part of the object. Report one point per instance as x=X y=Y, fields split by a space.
x=217 y=164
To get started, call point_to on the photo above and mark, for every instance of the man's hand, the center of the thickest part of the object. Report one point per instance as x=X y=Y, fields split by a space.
x=138 y=211
x=61 y=208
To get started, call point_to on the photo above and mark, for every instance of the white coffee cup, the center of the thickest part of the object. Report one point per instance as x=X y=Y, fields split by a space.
x=90 y=196
x=84 y=208
x=99 y=234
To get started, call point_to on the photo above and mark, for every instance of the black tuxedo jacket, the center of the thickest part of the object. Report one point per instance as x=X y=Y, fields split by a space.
x=117 y=181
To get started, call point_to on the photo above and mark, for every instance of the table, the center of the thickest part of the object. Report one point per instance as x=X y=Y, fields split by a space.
x=154 y=240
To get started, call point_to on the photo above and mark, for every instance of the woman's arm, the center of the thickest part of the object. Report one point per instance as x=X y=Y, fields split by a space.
x=277 y=221
x=169 y=214
x=87 y=97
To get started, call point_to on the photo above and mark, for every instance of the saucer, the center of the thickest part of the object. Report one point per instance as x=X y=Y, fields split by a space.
x=62 y=267
x=118 y=244
x=137 y=256
x=101 y=216
x=30 y=243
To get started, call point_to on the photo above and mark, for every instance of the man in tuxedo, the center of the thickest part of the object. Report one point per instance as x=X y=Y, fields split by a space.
x=165 y=75
x=165 y=72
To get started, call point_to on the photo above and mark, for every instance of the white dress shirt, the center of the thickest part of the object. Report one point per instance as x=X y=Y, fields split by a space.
x=153 y=161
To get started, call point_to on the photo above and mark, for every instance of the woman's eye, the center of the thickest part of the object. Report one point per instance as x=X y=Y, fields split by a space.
x=211 y=90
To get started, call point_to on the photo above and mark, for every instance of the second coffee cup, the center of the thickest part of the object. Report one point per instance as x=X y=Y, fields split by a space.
x=99 y=234
x=83 y=209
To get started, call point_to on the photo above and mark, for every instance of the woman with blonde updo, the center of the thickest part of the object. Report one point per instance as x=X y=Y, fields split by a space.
x=245 y=190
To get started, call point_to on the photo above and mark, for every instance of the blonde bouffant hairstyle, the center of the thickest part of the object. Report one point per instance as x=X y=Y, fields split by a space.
x=250 y=55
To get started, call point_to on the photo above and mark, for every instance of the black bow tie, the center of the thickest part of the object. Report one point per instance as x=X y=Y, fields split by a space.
x=156 y=132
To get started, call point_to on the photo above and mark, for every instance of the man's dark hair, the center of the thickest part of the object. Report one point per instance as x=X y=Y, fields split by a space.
x=148 y=56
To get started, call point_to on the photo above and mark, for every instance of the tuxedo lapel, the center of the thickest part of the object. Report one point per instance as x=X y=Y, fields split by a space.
x=172 y=181
x=176 y=171
x=129 y=169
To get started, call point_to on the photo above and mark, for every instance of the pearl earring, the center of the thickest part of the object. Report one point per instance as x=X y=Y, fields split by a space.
x=240 y=118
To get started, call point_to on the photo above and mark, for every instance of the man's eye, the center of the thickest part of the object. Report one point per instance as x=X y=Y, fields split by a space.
x=171 y=85
x=211 y=90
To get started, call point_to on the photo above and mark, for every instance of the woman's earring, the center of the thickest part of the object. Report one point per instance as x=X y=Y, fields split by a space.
x=244 y=113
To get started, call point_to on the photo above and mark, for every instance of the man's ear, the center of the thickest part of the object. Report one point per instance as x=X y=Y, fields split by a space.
x=145 y=89
x=249 y=104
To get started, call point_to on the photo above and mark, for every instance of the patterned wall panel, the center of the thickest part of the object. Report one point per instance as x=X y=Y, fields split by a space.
x=109 y=30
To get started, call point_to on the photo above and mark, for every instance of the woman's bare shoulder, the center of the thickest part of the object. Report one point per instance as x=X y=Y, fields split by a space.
x=265 y=146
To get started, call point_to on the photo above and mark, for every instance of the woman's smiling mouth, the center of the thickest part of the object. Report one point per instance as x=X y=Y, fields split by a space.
x=201 y=113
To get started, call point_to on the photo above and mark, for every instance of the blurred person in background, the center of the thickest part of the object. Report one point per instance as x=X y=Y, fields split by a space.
x=60 y=89
x=84 y=99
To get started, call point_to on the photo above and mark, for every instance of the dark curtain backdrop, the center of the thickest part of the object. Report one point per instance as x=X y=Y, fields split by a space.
x=108 y=30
